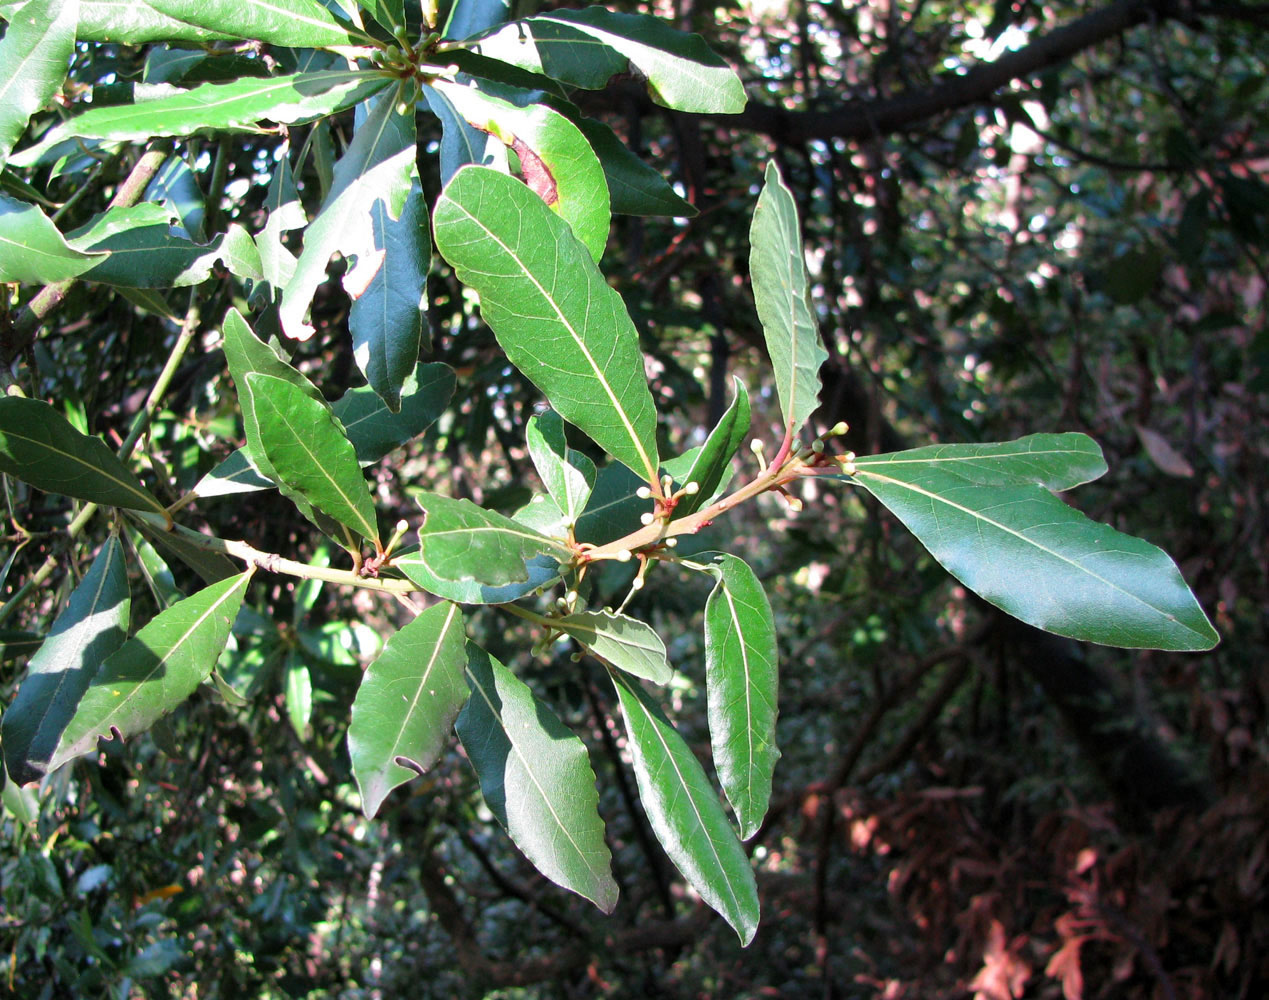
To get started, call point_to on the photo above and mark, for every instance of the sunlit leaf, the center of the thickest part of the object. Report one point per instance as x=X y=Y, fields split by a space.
x=39 y=446
x=741 y=671
x=685 y=812
x=156 y=670
x=536 y=778
x=712 y=465
x=34 y=54
x=310 y=454
x=987 y=514
x=297 y=691
x=626 y=643
x=408 y=699
x=587 y=48
x=556 y=161
x=568 y=475
x=379 y=164
x=93 y=625
x=292 y=23
x=239 y=106
x=125 y=22
x=551 y=310
x=32 y=250
x=778 y=270
x=461 y=542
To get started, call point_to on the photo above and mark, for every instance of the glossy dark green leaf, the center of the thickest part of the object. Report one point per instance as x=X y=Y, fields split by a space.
x=741 y=672
x=614 y=507
x=536 y=778
x=587 y=48
x=568 y=475
x=310 y=454
x=461 y=144
x=778 y=269
x=16 y=642
x=551 y=309
x=34 y=54
x=463 y=543
x=379 y=164
x=211 y=566
x=239 y=106
x=685 y=812
x=39 y=446
x=292 y=23
x=155 y=571
x=32 y=250
x=634 y=188
x=374 y=430
x=627 y=643
x=556 y=161
x=408 y=699
x=155 y=670
x=144 y=249
x=285 y=214
x=711 y=468
x=93 y=625
x=987 y=515
x=467 y=17
x=386 y=319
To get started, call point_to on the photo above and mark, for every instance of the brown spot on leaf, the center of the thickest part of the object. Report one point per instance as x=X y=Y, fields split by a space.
x=535 y=172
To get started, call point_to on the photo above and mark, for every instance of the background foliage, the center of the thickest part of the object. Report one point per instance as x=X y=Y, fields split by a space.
x=1019 y=217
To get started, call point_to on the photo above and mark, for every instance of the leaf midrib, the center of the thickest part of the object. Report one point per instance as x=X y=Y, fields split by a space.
x=649 y=471
x=1034 y=544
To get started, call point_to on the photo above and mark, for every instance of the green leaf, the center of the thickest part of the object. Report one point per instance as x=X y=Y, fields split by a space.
x=378 y=164
x=310 y=454
x=15 y=643
x=297 y=687
x=34 y=54
x=461 y=542
x=125 y=22
x=987 y=515
x=386 y=319
x=587 y=48
x=389 y=13
x=633 y=187
x=408 y=699
x=685 y=812
x=466 y=17
x=39 y=446
x=290 y=23
x=285 y=214
x=711 y=467
x=157 y=573
x=234 y=475
x=778 y=271
x=246 y=355
x=614 y=508
x=156 y=670
x=32 y=250
x=92 y=626
x=741 y=672
x=536 y=778
x=540 y=571
x=568 y=475
x=626 y=643
x=374 y=430
x=460 y=143
x=211 y=566
x=556 y=161
x=145 y=250
x=551 y=310
x=218 y=107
